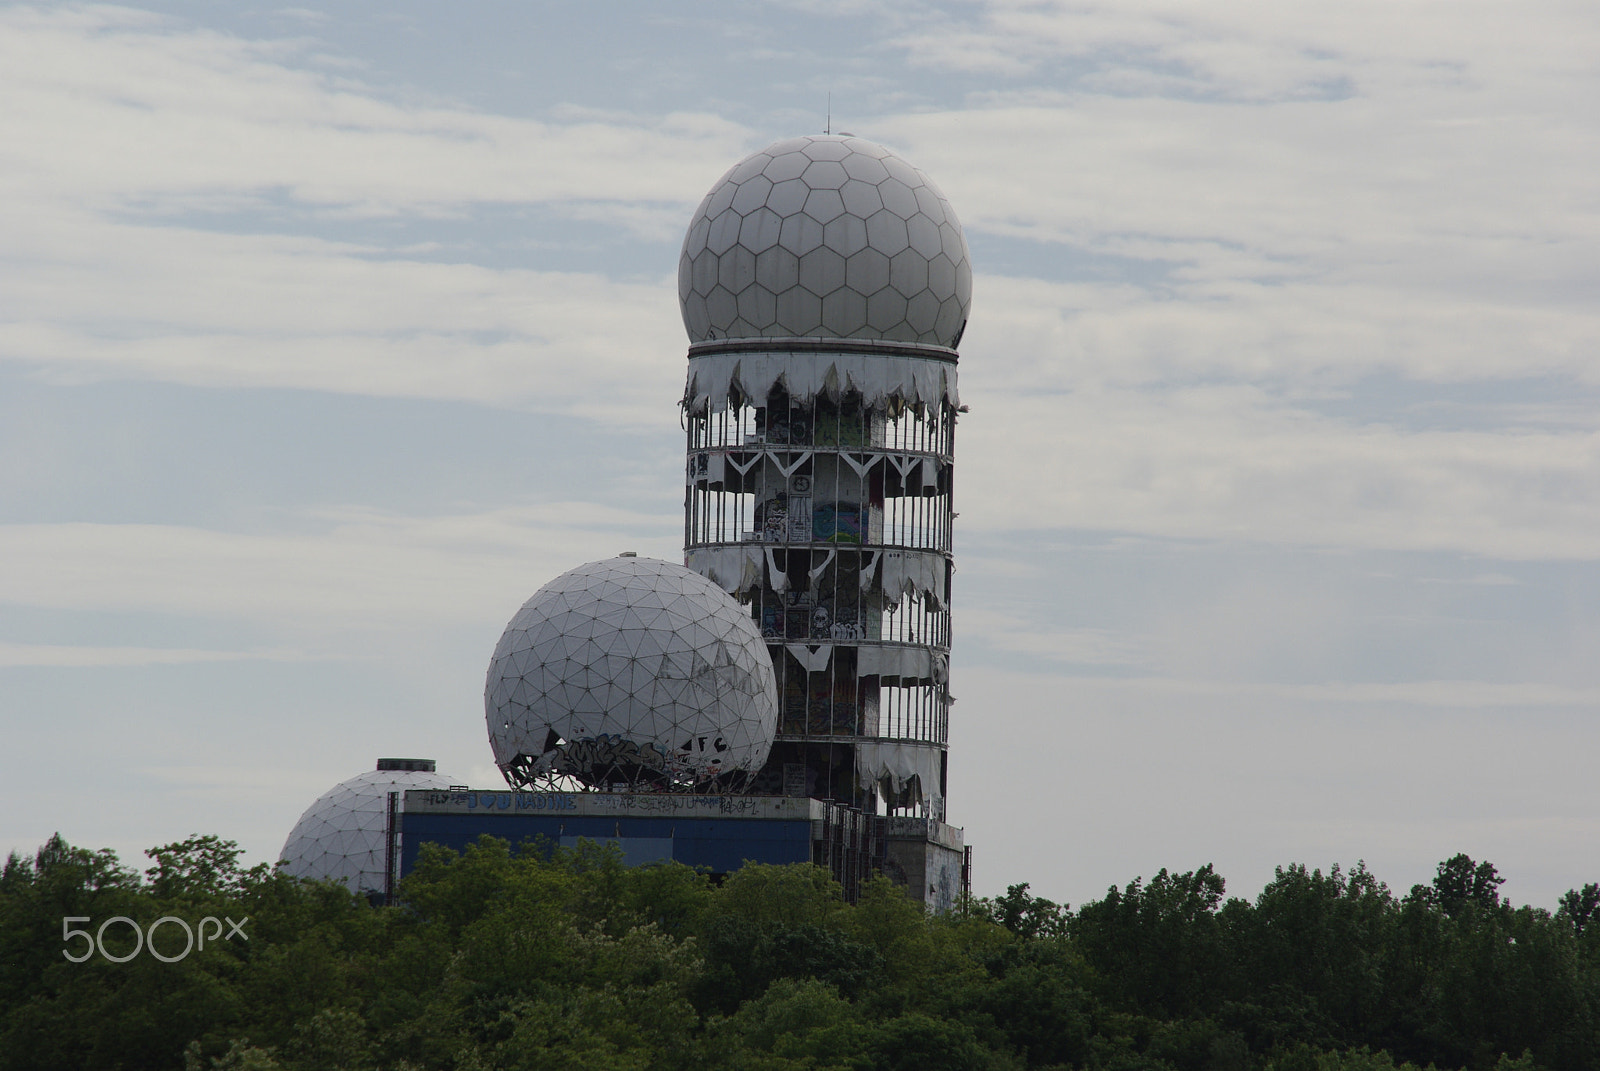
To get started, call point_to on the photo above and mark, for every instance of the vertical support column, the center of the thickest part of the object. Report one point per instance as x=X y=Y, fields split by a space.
x=390 y=838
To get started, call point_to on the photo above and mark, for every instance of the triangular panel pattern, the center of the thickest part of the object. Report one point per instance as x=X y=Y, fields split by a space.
x=625 y=660
x=341 y=837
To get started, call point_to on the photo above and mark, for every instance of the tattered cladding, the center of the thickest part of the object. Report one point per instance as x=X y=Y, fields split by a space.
x=342 y=836
x=818 y=489
x=897 y=574
x=891 y=379
x=825 y=236
x=631 y=654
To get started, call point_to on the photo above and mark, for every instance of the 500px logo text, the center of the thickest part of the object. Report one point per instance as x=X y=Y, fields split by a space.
x=145 y=940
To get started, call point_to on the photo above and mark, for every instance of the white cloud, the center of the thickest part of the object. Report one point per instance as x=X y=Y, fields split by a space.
x=67 y=656
x=1031 y=335
x=1435 y=218
x=1480 y=580
x=1421 y=195
x=211 y=309
x=1257 y=49
x=303 y=14
x=1233 y=463
x=108 y=106
x=1134 y=775
x=358 y=575
x=1457 y=695
x=1018 y=634
x=118 y=123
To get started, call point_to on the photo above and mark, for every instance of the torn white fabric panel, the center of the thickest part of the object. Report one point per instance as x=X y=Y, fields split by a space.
x=733 y=569
x=869 y=569
x=880 y=378
x=821 y=567
x=916 y=573
x=903 y=666
x=777 y=579
x=814 y=659
x=898 y=763
x=896 y=573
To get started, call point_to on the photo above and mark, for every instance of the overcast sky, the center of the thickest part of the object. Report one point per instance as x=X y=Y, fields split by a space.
x=330 y=333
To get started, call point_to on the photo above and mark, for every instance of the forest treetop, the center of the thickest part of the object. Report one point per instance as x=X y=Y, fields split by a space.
x=554 y=958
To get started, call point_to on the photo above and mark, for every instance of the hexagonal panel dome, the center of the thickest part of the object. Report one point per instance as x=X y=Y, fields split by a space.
x=341 y=837
x=825 y=236
x=631 y=671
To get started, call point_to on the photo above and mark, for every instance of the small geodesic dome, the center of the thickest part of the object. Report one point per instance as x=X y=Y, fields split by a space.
x=342 y=836
x=631 y=672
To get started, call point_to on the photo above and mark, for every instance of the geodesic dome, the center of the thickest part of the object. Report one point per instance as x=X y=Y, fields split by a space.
x=825 y=236
x=341 y=837
x=631 y=671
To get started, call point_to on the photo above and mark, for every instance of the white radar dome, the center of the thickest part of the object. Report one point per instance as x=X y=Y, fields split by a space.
x=342 y=836
x=632 y=672
x=825 y=236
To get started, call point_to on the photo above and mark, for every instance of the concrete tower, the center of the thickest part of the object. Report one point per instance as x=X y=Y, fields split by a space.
x=825 y=284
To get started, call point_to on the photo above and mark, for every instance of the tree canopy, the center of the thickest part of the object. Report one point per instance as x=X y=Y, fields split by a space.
x=566 y=958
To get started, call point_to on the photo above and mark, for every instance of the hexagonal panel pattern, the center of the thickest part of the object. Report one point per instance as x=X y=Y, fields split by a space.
x=630 y=671
x=341 y=836
x=820 y=217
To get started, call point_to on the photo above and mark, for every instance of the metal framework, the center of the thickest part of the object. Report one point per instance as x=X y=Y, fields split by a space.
x=842 y=509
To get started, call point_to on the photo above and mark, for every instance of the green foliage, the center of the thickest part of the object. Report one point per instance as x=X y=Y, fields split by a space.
x=1158 y=947
x=1363 y=1059
x=780 y=895
x=1027 y=916
x=201 y=868
x=796 y=1023
x=565 y=958
x=1578 y=907
x=1463 y=885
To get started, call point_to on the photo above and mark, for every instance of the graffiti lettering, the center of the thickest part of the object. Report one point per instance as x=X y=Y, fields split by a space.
x=699 y=743
x=593 y=757
x=527 y=802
